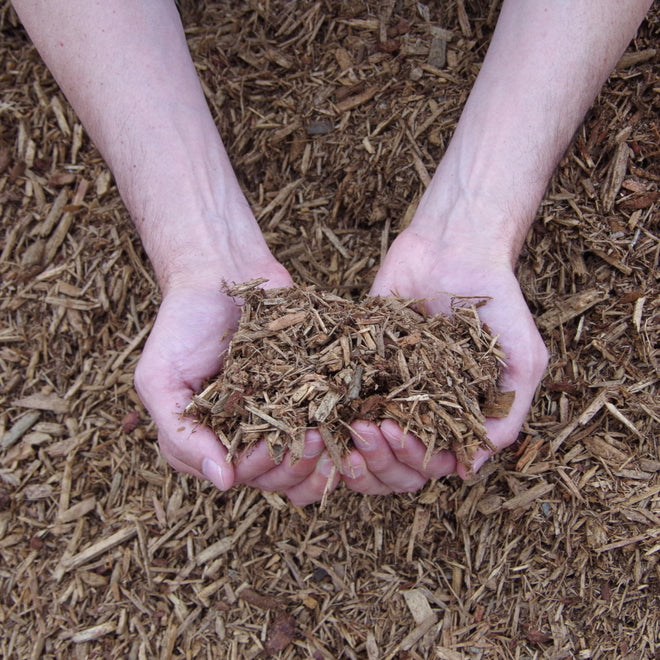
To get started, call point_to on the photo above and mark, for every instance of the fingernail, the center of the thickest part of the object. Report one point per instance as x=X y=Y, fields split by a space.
x=211 y=470
x=313 y=448
x=354 y=471
x=361 y=441
x=394 y=435
x=325 y=465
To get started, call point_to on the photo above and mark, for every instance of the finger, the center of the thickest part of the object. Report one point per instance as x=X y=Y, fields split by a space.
x=526 y=362
x=412 y=452
x=187 y=445
x=185 y=469
x=523 y=373
x=502 y=433
x=258 y=461
x=290 y=473
x=251 y=464
x=381 y=460
x=357 y=477
x=192 y=448
x=325 y=477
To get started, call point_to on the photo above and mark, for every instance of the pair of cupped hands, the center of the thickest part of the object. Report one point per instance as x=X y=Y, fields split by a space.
x=194 y=326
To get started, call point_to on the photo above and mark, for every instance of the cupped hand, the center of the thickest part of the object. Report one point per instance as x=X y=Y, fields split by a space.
x=415 y=267
x=191 y=333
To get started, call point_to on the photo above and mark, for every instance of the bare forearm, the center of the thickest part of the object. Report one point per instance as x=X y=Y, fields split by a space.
x=125 y=68
x=545 y=65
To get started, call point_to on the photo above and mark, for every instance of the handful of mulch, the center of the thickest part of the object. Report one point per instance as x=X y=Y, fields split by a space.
x=302 y=358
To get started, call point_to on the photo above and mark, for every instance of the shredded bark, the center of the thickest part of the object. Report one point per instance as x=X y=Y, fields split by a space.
x=304 y=358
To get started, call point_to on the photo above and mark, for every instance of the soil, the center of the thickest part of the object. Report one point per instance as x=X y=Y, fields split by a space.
x=335 y=116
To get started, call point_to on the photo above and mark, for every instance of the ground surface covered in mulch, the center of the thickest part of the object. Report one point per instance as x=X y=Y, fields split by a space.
x=335 y=116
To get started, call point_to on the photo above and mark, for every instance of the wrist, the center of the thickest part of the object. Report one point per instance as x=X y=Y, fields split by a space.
x=471 y=223
x=200 y=246
x=216 y=250
x=194 y=221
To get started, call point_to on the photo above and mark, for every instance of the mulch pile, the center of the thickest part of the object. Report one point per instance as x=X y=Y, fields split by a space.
x=335 y=115
x=302 y=358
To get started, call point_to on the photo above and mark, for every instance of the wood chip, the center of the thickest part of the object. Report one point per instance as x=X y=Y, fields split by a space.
x=528 y=497
x=574 y=574
x=96 y=549
x=570 y=308
x=19 y=429
x=94 y=633
x=355 y=101
x=50 y=402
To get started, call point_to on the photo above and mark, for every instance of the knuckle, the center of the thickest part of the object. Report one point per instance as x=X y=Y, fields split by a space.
x=411 y=486
x=543 y=358
x=379 y=463
x=167 y=450
x=534 y=361
x=173 y=452
x=404 y=453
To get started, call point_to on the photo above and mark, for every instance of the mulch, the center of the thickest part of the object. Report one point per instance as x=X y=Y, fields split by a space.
x=302 y=358
x=335 y=116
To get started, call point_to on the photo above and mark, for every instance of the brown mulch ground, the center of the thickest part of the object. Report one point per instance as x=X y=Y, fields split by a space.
x=106 y=553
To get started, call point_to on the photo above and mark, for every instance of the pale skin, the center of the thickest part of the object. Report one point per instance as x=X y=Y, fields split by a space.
x=126 y=69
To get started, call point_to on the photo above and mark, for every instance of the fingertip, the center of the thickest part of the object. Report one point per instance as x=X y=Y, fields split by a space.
x=314 y=444
x=392 y=432
x=324 y=479
x=325 y=465
x=463 y=472
x=363 y=426
x=353 y=466
x=365 y=434
x=313 y=435
x=479 y=462
x=480 y=458
x=254 y=462
x=221 y=476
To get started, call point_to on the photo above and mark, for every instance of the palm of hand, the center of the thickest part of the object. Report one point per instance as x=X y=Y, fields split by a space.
x=191 y=333
x=184 y=349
